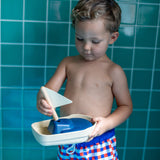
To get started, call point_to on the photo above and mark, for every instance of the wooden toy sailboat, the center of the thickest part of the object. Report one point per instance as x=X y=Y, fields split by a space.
x=63 y=130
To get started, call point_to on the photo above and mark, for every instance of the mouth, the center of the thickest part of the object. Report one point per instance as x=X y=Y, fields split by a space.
x=88 y=57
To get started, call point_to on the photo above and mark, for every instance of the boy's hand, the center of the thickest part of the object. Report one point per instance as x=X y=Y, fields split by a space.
x=44 y=107
x=99 y=128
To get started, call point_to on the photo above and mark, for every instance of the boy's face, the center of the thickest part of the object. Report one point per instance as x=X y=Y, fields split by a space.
x=92 y=39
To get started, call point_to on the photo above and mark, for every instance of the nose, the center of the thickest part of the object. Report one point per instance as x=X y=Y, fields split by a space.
x=87 y=46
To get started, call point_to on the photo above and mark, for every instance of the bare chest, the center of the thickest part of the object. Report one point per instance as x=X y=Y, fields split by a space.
x=89 y=76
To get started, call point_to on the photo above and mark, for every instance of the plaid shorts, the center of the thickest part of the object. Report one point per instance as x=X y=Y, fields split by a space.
x=102 y=147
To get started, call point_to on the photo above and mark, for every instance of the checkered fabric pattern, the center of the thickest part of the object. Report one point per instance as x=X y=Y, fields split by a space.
x=105 y=150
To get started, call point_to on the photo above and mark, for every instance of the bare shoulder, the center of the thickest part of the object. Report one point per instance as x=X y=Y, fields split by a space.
x=69 y=59
x=117 y=74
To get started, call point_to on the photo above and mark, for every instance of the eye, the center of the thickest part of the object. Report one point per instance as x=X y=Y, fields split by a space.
x=79 y=39
x=96 y=41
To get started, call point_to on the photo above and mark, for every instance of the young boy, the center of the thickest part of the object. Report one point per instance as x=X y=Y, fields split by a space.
x=93 y=80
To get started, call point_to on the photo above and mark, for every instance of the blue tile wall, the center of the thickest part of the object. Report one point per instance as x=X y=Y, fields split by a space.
x=35 y=35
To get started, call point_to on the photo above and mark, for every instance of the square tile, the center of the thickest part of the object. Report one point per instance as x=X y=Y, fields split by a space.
x=11 y=76
x=156 y=84
x=153 y=120
x=138 y=119
x=123 y=57
x=147 y=14
x=158 y=41
x=144 y=55
x=34 y=55
x=145 y=36
x=73 y=51
x=135 y=138
x=11 y=153
x=31 y=116
x=126 y=36
x=74 y=3
x=152 y=154
x=49 y=73
x=11 y=98
x=142 y=79
x=120 y=153
x=122 y=125
x=120 y=136
x=58 y=10
x=128 y=75
x=11 y=54
x=33 y=77
x=134 y=154
x=140 y=99
x=51 y=153
x=11 y=138
x=56 y=54
x=36 y=154
x=157 y=63
x=32 y=96
x=155 y=100
x=11 y=32
x=109 y=53
x=37 y=5
x=128 y=13
x=153 y=139
x=72 y=35
x=57 y=33
x=126 y=0
x=34 y=32
x=29 y=140
x=11 y=119
x=149 y=1
x=12 y=9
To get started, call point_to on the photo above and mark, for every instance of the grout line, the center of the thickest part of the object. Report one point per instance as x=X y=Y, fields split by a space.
x=45 y=62
x=151 y=90
x=22 y=89
x=46 y=42
x=1 y=133
x=73 y=45
x=131 y=81
x=69 y=22
x=33 y=21
x=69 y=28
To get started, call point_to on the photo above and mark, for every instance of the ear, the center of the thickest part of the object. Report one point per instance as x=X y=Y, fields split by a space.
x=114 y=37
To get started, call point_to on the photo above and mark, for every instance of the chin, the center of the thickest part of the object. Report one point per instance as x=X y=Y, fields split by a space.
x=88 y=59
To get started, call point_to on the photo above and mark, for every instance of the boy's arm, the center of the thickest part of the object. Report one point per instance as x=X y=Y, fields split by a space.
x=55 y=84
x=122 y=96
x=124 y=104
x=59 y=77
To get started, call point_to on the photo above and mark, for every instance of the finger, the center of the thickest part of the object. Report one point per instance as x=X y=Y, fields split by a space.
x=45 y=111
x=44 y=108
x=44 y=103
x=95 y=131
x=90 y=138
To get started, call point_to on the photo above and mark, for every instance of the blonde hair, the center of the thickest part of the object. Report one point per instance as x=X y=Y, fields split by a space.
x=109 y=10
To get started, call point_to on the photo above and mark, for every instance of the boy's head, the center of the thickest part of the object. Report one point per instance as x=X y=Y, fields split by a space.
x=109 y=10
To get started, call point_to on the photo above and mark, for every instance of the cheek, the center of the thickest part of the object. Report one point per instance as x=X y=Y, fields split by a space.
x=78 y=46
x=100 y=49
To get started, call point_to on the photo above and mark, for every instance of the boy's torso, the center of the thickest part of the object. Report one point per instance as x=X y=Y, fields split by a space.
x=89 y=86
